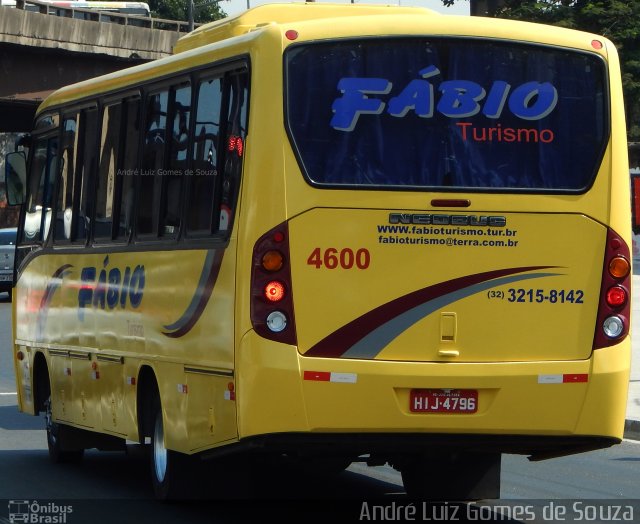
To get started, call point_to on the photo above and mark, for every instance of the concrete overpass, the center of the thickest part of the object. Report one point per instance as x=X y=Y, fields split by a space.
x=40 y=52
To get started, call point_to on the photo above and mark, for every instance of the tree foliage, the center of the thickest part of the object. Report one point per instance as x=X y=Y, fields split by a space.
x=615 y=19
x=204 y=10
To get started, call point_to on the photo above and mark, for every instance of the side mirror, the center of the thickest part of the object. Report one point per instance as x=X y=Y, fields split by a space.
x=16 y=177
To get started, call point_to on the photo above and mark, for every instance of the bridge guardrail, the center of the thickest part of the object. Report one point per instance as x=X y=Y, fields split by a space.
x=104 y=16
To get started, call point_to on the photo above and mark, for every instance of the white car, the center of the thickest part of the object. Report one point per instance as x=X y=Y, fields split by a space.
x=7 y=252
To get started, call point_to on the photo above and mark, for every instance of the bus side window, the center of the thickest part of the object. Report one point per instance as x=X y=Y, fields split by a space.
x=153 y=153
x=64 y=207
x=44 y=165
x=219 y=136
x=178 y=161
x=236 y=132
x=203 y=195
x=128 y=170
x=85 y=167
x=107 y=171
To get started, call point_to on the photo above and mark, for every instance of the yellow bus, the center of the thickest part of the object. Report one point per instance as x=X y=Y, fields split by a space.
x=333 y=233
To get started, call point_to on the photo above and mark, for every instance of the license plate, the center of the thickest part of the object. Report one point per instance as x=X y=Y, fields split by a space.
x=5 y=278
x=463 y=401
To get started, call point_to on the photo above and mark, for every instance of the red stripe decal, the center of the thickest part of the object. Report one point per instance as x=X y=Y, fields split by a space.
x=323 y=376
x=575 y=377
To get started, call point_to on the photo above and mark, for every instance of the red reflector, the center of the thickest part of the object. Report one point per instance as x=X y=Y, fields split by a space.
x=578 y=377
x=596 y=44
x=291 y=34
x=322 y=376
x=616 y=296
x=274 y=291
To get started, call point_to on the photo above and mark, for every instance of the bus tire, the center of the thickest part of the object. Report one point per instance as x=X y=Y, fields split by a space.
x=168 y=468
x=455 y=476
x=56 y=439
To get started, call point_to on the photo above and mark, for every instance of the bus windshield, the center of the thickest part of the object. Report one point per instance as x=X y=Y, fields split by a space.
x=446 y=114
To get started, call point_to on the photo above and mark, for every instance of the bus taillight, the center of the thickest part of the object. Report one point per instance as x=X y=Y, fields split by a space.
x=619 y=267
x=274 y=291
x=277 y=321
x=271 y=295
x=616 y=296
x=613 y=327
x=614 y=309
x=272 y=260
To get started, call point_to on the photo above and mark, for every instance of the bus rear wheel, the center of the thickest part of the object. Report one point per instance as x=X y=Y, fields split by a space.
x=168 y=468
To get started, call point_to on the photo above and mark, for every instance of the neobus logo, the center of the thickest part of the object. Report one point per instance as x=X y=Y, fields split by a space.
x=447 y=220
x=459 y=99
x=110 y=288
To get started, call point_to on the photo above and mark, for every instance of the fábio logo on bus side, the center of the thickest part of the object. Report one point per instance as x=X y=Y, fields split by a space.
x=111 y=287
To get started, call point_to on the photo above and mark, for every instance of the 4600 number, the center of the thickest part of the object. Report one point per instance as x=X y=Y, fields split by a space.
x=332 y=258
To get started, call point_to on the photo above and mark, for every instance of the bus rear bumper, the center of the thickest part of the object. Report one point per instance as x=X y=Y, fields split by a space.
x=575 y=404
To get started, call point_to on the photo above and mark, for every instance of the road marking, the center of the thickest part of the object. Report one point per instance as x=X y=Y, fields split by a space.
x=14 y=393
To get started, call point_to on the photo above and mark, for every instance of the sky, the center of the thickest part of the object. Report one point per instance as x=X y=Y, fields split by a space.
x=461 y=7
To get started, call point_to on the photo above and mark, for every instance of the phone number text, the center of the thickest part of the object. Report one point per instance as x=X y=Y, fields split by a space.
x=528 y=296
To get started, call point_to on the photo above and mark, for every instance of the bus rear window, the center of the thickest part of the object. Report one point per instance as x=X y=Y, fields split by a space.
x=446 y=114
